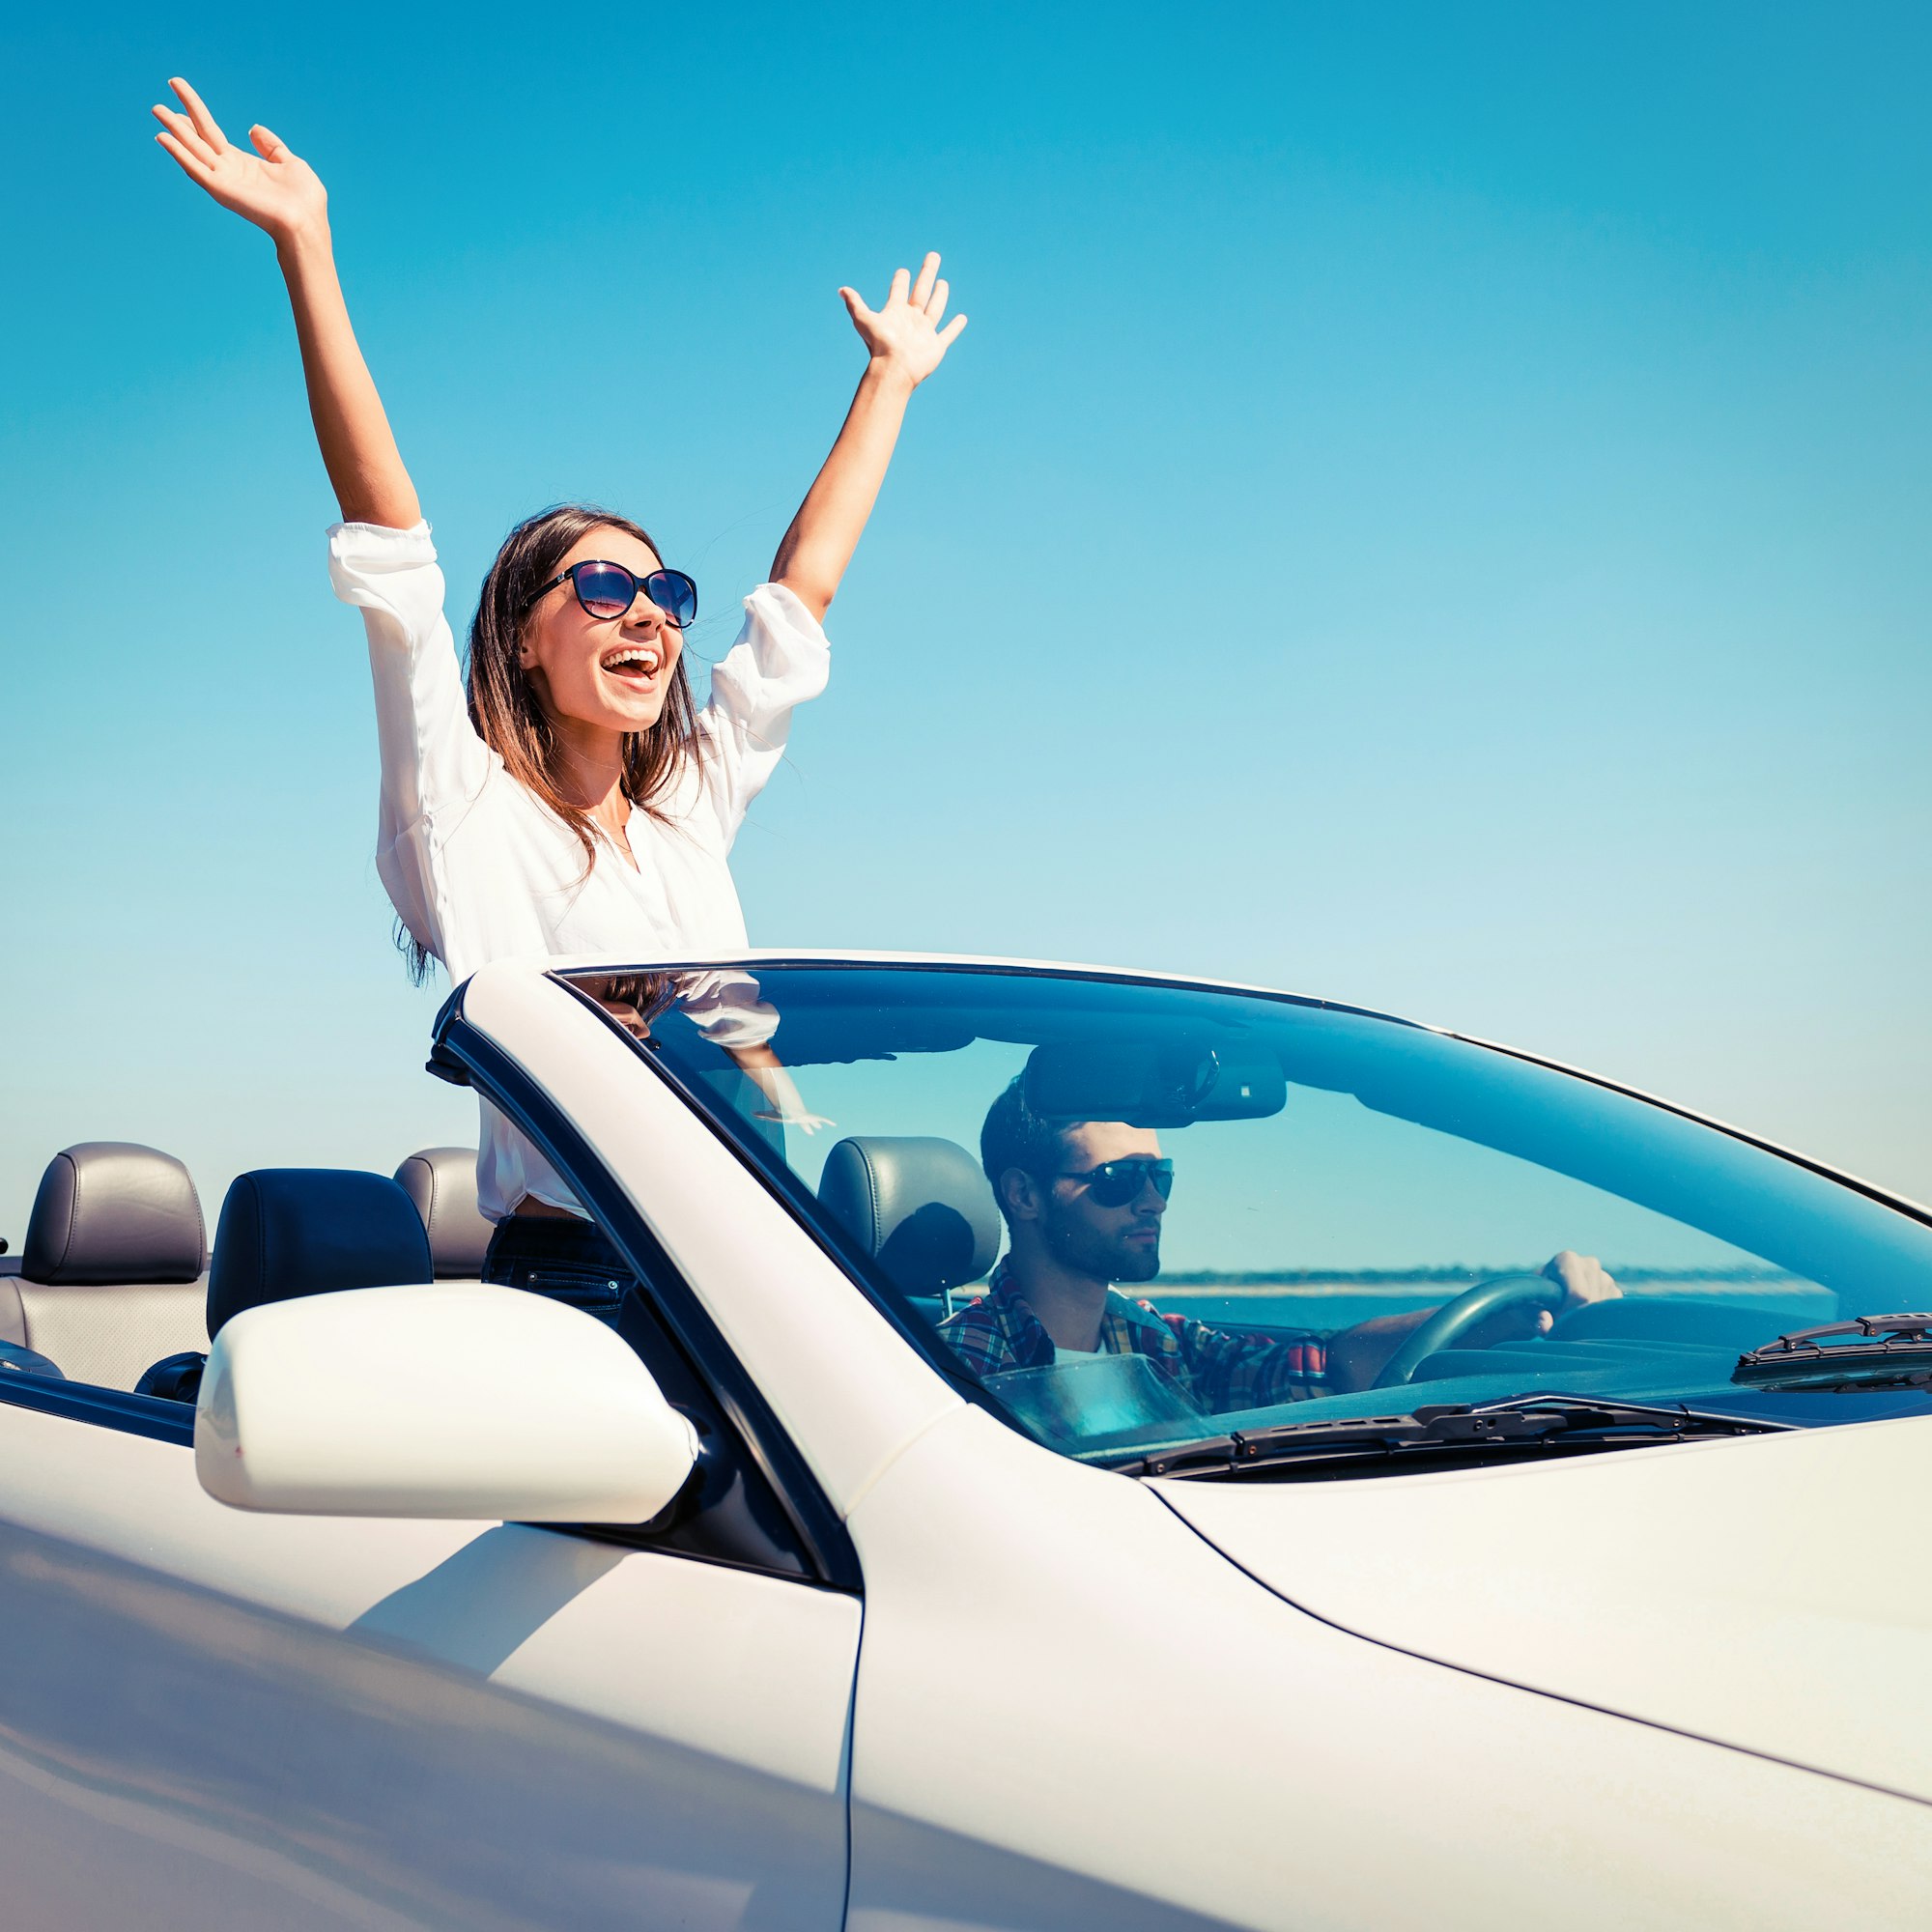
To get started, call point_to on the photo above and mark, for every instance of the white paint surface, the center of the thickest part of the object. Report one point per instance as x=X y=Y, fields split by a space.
x=1074 y=1713
x=1763 y=1590
x=436 y=1401
x=482 y=1715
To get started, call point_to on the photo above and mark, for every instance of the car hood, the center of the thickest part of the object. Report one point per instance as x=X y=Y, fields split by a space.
x=1769 y=1592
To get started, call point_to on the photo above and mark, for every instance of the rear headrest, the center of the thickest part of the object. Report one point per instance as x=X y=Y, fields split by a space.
x=441 y=1182
x=921 y=1206
x=292 y=1231
x=111 y=1211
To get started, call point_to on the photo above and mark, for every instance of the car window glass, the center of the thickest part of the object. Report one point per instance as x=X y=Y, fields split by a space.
x=1329 y=1171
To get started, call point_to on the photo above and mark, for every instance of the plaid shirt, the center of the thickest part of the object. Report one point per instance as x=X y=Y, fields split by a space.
x=998 y=1331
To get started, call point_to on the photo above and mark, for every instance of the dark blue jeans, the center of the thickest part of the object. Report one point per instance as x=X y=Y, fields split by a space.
x=569 y=1260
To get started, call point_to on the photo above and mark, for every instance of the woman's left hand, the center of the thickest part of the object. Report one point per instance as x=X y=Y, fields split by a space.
x=904 y=333
x=907 y=344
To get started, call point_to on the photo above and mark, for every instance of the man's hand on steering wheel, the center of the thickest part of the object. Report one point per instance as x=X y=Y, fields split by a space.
x=1582 y=1278
x=1385 y=1351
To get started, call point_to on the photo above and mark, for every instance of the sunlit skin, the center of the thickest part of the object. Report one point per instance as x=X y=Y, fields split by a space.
x=589 y=680
x=591 y=691
x=1065 y=1251
x=592 y=707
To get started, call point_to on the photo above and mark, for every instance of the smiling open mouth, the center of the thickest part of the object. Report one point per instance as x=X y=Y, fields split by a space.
x=636 y=662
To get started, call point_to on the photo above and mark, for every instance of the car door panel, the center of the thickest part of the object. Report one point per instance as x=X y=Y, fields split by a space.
x=336 y=1723
x=1131 y=1731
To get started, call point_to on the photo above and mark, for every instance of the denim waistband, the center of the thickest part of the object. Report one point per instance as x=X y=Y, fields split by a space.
x=568 y=1261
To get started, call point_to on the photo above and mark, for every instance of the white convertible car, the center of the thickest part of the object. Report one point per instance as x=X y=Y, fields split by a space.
x=764 y=1602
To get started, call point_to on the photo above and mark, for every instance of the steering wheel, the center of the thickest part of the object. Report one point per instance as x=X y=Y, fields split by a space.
x=1455 y=1318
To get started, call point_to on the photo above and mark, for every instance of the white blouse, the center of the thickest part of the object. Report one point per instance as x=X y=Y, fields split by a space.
x=480 y=868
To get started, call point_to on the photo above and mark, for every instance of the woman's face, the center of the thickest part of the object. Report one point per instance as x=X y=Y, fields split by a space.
x=612 y=672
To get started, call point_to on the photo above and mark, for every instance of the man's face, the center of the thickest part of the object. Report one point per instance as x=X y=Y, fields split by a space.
x=1104 y=1243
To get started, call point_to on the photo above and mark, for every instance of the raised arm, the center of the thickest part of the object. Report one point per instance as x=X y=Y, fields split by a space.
x=907 y=344
x=282 y=196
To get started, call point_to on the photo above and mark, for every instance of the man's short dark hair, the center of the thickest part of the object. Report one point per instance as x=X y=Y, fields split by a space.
x=1016 y=1136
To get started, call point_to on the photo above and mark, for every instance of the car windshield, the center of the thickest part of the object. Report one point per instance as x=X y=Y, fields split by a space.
x=1202 y=1212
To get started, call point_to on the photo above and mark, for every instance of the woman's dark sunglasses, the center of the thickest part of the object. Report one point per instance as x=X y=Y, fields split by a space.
x=607 y=590
x=1115 y=1182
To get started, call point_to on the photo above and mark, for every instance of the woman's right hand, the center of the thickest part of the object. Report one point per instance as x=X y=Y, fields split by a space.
x=276 y=190
x=283 y=198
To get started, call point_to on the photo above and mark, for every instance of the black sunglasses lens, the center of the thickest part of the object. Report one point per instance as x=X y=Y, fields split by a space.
x=1120 y=1182
x=674 y=594
x=604 y=591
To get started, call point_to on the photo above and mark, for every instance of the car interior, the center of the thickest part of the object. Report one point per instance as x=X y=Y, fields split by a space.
x=923 y=1210
x=115 y=1287
x=921 y=1207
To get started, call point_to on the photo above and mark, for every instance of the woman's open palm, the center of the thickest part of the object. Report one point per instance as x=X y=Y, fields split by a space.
x=904 y=331
x=276 y=190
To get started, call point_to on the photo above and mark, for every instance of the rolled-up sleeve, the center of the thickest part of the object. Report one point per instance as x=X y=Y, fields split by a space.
x=433 y=762
x=1235 y=1371
x=779 y=661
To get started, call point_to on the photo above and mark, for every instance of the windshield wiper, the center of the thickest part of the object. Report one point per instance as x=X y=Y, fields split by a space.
x=1892 y=1349
x=1521 y=1421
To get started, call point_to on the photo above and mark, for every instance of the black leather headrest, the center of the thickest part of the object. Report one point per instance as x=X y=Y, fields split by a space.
x=111 y=1211
x=292 y=1231
x=441 y=1180
x=921 y=1206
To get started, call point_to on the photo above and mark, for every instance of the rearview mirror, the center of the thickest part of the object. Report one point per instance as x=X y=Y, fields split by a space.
x=1154 y=1084
x=474 y=1403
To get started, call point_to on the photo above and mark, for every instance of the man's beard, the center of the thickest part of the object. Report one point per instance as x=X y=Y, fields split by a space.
x=1083 y=1251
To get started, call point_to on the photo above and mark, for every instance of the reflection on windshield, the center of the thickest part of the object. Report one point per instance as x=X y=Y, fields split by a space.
x=1105 y=1396
x=1129 y=1207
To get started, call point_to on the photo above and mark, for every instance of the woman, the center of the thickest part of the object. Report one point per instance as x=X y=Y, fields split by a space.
x=574 y=799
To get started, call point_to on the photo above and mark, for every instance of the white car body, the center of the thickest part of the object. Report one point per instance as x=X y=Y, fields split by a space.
x=1684 y=1687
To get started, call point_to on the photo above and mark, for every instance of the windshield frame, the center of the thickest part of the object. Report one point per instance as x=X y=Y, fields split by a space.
x=1124 y=976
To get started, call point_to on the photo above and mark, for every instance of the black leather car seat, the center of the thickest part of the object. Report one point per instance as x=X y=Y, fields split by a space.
x=286 y=1232
x=111 y=1272
x=921 y=1207
x=441 y=1180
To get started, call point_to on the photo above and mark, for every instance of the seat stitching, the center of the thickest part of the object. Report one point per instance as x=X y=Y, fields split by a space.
x=73 y=1210
x=878 y=1238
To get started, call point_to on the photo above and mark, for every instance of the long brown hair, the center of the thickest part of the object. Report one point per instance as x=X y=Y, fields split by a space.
x=503 y=704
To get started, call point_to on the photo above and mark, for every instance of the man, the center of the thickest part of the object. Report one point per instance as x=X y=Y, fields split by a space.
x=1083 y=1202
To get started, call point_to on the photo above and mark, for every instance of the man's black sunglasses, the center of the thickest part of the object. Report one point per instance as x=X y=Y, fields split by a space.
x=607 y=590
x=1114 y=1184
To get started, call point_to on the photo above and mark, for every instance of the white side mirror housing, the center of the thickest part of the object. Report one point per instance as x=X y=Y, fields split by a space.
x=446 y=1401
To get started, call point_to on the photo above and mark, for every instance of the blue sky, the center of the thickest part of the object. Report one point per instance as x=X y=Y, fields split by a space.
x=1431 y=510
